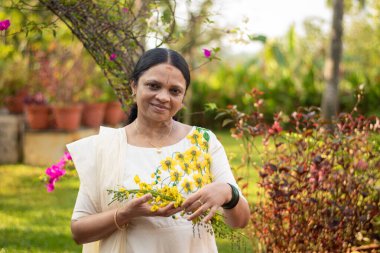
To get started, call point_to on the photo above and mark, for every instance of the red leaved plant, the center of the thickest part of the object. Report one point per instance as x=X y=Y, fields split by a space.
x=318 y=186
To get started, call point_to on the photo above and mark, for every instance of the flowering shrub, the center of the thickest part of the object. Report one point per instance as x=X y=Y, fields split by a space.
x=317 y=182
x=58 y=170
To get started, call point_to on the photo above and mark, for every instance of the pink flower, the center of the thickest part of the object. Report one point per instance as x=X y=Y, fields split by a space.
x=4 y=25
x=113 y=57
x=275 y=129
x=125 y=10
x=67 y=156
x=207 y=53
x=55 y=171
x=50 y=187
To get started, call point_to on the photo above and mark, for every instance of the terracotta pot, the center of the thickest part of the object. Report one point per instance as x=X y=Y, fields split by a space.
x=93 y=114
x=15 y=104
x=68 y=117
x=114 y=113
x=37 y=116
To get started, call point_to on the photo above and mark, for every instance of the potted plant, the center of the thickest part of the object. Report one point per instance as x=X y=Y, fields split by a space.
x=114 y=113
x=60 y=72
x=93 y=97
x=13 y=87
x=37 y=112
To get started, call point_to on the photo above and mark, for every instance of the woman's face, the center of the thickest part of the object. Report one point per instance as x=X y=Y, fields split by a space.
x=160 y=92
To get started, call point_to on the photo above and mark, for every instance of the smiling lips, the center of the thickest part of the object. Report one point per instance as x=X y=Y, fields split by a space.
x=160 y=107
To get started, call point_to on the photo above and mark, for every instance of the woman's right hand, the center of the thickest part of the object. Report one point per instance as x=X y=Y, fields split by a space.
x=140 y=207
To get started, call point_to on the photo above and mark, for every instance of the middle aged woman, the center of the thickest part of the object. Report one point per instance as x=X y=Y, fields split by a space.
x=115 y=156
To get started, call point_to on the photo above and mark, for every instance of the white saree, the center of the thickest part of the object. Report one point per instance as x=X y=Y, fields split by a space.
x=106 y=161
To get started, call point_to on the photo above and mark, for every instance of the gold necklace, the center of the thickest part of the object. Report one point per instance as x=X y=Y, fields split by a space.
x=158 y=148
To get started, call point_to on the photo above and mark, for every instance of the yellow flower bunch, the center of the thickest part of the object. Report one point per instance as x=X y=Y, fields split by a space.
x=177 y=176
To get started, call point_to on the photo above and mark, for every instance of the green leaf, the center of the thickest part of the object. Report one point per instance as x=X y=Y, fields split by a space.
x=226 y=122
x=211 y=107
x=221 y=114
x=166 y=16
x=206 y=136
x=258 y=37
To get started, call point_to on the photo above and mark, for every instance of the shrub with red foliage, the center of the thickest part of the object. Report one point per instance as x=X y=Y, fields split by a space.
x=318 y=181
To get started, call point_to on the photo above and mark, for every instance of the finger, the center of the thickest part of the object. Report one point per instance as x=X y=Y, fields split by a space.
x=198 y=212
x=194 y=206
x=210 y=214
x=173 y=211
x=164 y=209
x=143 y=199
x=190 y=200
x=169 y=210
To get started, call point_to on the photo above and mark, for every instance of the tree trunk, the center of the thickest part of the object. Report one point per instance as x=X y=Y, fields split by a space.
x=330 y=96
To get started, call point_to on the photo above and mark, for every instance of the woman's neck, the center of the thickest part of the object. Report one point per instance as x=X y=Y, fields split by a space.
x=153 y=129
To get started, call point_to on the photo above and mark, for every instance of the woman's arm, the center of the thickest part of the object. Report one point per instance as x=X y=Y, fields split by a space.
x=98 y=226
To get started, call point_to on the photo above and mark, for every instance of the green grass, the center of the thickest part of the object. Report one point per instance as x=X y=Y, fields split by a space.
x=33 y=220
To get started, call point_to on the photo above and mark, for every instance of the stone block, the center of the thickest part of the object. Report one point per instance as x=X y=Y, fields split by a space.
x=11 y=129
x=46 y=148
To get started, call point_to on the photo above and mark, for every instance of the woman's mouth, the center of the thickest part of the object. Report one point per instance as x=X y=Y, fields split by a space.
x=160 y=108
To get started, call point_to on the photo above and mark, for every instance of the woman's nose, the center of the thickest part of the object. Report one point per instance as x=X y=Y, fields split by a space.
x=163 y=95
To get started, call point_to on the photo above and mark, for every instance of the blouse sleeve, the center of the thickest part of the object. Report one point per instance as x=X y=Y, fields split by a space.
x=83 y=153
x=220 y=166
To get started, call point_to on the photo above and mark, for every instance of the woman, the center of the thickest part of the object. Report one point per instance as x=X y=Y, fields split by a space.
x=115 y=156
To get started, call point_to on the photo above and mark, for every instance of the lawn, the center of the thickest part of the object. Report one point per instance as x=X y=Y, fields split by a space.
x=33 y=220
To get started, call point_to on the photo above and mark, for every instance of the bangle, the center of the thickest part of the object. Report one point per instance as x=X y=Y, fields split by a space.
x=234 y=200
x=115 y=221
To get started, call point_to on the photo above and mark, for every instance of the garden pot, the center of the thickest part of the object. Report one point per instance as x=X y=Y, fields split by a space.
x=37 y=116
x=68 y=117
x=114 y=113
x=93 y=114
x=15 y=104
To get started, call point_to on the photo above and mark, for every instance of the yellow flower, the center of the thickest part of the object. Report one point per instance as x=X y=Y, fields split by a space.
x=137 y=179
x=154 y=208
x=185 y=166
x=194 y=137
x=175 y=175
x=198 y=166
x=205 y=164
x=179 y=156
x=198 y=180
x=168 y=163
x=207 y=178
x=207 y=157
x=187 y=185
x=203 y=145
x=192 y=153
x=158 y=198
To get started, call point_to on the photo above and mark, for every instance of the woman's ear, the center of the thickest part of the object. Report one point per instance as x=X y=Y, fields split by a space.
x=133 y=88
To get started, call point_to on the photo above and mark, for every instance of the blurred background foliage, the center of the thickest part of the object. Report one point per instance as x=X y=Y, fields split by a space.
x=288 y=69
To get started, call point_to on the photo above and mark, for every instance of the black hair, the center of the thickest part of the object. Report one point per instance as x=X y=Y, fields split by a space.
x=152 y=58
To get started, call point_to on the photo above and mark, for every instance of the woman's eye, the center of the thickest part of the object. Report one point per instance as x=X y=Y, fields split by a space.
x=176 y=92
x=153 y=86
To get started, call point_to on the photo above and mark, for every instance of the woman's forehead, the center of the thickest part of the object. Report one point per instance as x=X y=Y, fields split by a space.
x=164 y=71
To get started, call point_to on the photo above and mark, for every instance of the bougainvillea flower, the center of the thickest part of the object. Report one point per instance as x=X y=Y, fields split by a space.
x=55 y=171
x=113 y=57
x=67 y=156
x=207 y=53
x=4 y=25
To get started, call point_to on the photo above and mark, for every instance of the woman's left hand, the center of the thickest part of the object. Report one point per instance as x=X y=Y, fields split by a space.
x=210 y=197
